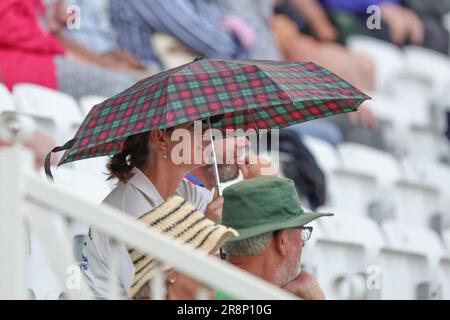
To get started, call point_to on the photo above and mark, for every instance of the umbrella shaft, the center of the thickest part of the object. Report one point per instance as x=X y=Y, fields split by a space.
x=216 y=169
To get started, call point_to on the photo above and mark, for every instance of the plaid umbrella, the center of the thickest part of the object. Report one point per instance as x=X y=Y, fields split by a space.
x=248 y=93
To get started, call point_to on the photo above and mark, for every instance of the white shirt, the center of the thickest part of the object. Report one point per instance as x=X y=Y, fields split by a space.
x=136 y=197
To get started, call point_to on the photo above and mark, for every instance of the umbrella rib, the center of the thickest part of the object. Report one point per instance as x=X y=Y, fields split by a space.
x=344 y=97
x=272 y=81
x=257 y=132
x=165 y=108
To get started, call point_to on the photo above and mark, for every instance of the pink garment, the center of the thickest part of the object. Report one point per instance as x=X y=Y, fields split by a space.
x=27 y=51
x=245 y=34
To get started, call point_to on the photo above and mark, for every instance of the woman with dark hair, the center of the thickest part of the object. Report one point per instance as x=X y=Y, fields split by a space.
x=149 y=171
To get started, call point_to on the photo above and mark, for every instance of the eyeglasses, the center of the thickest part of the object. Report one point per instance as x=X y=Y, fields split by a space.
x=305 y=233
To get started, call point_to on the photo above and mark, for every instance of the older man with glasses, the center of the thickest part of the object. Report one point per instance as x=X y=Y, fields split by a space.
x=267 y=213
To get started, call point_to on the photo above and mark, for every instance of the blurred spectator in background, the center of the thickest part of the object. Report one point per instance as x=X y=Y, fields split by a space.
x=267 y=214
x=431 y=13
x=309 y=17
x=296 y=46
x=258 y=13
x=39 y=143
x=362 y=126
x=303 y=169
x=292 y=45
x=97 y=34
x=30 y=52
x=201 y=25
x=419 y=23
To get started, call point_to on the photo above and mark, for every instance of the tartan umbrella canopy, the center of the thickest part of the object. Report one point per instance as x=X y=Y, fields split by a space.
x=275 y=94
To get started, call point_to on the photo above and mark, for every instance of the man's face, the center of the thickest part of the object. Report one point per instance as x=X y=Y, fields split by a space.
x=229 y=153
x=231 y=150
x=227 y=172
x=291 y=262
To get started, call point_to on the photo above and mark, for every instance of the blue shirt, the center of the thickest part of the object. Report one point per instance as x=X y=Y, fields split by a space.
x=354 y=6
x=196 y=23
x=194 y=180
x=95 y=32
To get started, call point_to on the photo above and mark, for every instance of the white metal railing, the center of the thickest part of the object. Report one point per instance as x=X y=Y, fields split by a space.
x=25 y=198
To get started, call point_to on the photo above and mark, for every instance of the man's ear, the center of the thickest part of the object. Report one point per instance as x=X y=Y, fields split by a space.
x=281 y=242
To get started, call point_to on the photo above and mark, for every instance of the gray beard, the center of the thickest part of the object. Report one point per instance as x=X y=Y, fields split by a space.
x=288 y=272
x=227 y=172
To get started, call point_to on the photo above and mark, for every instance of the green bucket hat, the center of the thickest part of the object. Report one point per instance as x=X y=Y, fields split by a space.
x=263 y=204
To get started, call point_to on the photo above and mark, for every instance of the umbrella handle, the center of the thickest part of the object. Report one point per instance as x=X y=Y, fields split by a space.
x=216 y=169
x=48 y=172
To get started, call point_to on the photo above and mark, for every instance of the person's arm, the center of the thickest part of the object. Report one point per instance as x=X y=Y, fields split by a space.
x=316 y=17
x=358 y=7
x=180 y=19
x=20 y=29
x=403 y=23
x=124 y=57
x=84 y=55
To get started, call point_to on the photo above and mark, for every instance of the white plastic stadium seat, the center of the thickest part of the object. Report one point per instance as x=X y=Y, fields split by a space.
x=388 y=112
x=324 y=153
x=444 y=268
x=6 y=100
x=337 y=179
x=371 y=174
x=444 y=277
x=415 y=111
x=388 y=59
x=369 y=160
x=385 y=107
x=420 y=128
x=433 y=173
x=424 y=143
x=46 y=103
x=95 y=168
x=86 y=185
x=428 y=64
x=446 y=20
x=417 y=200
x=342 y=254
x=438 y=174
x=408 y=262
x=87 y=102
x=446 y=238
x=413 y=201
x=400 y=111
x=409 y=114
